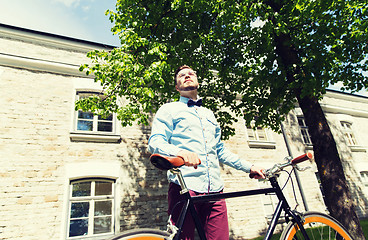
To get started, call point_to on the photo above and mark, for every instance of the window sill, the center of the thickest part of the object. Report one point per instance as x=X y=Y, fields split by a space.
x=358 y=148
x=308 y=146
x=94 y=137
x=261 y=144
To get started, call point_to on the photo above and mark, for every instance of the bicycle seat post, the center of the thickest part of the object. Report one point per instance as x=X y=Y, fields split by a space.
x=177 y=172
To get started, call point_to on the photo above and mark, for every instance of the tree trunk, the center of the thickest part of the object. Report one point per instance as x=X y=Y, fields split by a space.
x=336 y=191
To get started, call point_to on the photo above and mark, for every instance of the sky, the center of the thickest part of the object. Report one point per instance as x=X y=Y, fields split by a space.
x=81 y=19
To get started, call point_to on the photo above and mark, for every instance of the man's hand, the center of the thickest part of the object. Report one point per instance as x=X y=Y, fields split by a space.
x=257 y=172
x=190 y=158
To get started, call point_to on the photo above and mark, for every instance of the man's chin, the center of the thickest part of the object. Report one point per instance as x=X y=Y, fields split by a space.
x=189 y=88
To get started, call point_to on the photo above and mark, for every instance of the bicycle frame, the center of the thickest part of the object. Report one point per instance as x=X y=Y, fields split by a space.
x=281 y=206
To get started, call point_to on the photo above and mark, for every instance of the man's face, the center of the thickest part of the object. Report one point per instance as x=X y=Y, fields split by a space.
x=186 y=80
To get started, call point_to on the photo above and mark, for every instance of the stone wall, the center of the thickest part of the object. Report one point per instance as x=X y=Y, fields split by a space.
x=38 y=159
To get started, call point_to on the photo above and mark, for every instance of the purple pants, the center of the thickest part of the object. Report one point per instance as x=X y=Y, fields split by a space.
x=213 y=215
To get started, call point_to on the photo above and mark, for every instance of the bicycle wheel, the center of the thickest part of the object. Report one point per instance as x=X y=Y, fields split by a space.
x=141 y=234
x=318 y=226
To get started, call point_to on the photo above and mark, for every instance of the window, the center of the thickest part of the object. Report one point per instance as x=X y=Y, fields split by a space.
x=304 y=131
x=87 y=121
x=364 y=177
x=91 y=208
x=320 y=186
x=256 y=134
x=259 y=137
x=91 y=127
x=269 y=201
x=348 y=133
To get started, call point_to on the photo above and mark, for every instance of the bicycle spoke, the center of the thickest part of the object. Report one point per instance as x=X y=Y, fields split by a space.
x=318 y=227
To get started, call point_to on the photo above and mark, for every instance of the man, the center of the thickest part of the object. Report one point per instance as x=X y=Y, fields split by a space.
x=188 y=130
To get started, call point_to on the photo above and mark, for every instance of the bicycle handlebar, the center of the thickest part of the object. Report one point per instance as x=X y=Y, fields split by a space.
x=302 y=158
x=280 y=166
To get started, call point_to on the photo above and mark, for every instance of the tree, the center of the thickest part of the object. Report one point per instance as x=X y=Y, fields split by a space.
x=272 y=53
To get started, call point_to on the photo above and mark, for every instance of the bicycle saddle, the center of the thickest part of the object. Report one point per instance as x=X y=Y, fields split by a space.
x=165 y=162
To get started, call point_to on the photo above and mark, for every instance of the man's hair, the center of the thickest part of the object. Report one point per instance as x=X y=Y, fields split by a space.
x=179 y=69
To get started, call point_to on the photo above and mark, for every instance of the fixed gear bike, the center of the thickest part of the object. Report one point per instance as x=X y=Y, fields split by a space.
x=309 y=225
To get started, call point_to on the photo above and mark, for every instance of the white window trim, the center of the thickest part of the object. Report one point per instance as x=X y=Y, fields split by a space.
x=91 y=169
x=272 y=197
x=349 y=133
x=91 y=199
x=349 y=119
x=269 y=143
x=364 y=180
x=261 y=144
x=358 y=148
x=92 y=136
x=305 y=128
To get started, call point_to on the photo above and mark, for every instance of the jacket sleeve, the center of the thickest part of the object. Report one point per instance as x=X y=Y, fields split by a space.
x=227 y=157
x=231 y=159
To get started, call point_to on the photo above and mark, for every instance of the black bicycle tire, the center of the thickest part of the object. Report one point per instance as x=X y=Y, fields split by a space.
x=141 y=233
x=316 y=217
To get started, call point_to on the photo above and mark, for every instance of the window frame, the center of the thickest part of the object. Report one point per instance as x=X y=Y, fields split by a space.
x=95 y=122
x=94 y=135
x=95 y=118
x=270 y=201
x=349 y=134
x=304 y=132
x=256 y=133
x=91 y=199
x=364 y=178
x=257 y=142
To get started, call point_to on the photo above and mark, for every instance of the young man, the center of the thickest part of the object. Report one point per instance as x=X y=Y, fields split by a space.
x=188 y=130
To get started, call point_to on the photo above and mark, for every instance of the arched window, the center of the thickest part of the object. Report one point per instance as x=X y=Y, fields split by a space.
x=91 y=207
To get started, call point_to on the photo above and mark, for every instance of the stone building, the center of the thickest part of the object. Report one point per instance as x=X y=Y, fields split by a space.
x=68 y=174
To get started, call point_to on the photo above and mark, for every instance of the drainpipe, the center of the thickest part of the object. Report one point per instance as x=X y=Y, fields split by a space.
x=295 y=172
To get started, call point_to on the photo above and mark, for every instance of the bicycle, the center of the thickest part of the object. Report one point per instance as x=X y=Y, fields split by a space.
x=308 y=225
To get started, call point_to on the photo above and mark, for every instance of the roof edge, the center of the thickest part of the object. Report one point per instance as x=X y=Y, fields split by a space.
x=24 y=34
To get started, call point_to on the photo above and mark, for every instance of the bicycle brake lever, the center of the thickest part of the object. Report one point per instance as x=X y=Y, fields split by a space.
x=301 y=169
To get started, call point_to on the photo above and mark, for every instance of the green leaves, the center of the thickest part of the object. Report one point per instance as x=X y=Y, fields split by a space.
x=240 y=50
